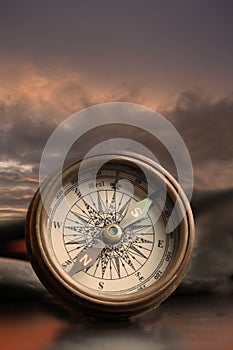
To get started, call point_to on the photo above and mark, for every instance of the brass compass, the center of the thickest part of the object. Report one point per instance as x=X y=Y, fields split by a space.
x=107 y=250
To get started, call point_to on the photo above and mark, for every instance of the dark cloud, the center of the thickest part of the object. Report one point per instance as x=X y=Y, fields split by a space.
x=206 y=126
x=22 y=136
x=211 y=267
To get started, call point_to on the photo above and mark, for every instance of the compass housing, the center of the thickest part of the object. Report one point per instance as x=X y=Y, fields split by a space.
x=79 y=297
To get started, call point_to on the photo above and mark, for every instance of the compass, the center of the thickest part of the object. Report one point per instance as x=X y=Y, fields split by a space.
x=103 y=247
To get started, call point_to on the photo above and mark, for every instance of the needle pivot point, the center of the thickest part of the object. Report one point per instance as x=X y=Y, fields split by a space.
x=112 y=234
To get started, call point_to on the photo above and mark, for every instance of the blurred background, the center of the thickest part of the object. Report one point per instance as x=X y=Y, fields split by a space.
x=175 y=57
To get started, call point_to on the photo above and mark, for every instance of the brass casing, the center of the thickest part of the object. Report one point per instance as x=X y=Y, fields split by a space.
x=82 y=300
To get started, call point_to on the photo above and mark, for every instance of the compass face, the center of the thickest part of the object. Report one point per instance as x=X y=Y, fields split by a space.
x=106 y=238
x=143 y=252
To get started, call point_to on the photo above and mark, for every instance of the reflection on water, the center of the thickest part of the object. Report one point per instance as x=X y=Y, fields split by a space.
x=197 y=322
x=117 y=335
x=180 y=323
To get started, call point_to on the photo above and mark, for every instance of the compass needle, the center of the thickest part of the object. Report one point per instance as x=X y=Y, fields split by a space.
x=86 y=258
x=136 y=212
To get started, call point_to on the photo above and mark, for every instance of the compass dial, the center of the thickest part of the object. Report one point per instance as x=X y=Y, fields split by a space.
x=106 y=239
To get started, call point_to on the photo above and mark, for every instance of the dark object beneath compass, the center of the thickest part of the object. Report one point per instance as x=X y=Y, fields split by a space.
x=18 y=281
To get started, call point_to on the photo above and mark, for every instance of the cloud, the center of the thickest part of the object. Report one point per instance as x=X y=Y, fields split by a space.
x=17 y=186
x=34 y=101
x=10 y=166
x=211 y=266
x=206 y=126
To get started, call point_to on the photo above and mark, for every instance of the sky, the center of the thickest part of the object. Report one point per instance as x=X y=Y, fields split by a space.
x=57 y=57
